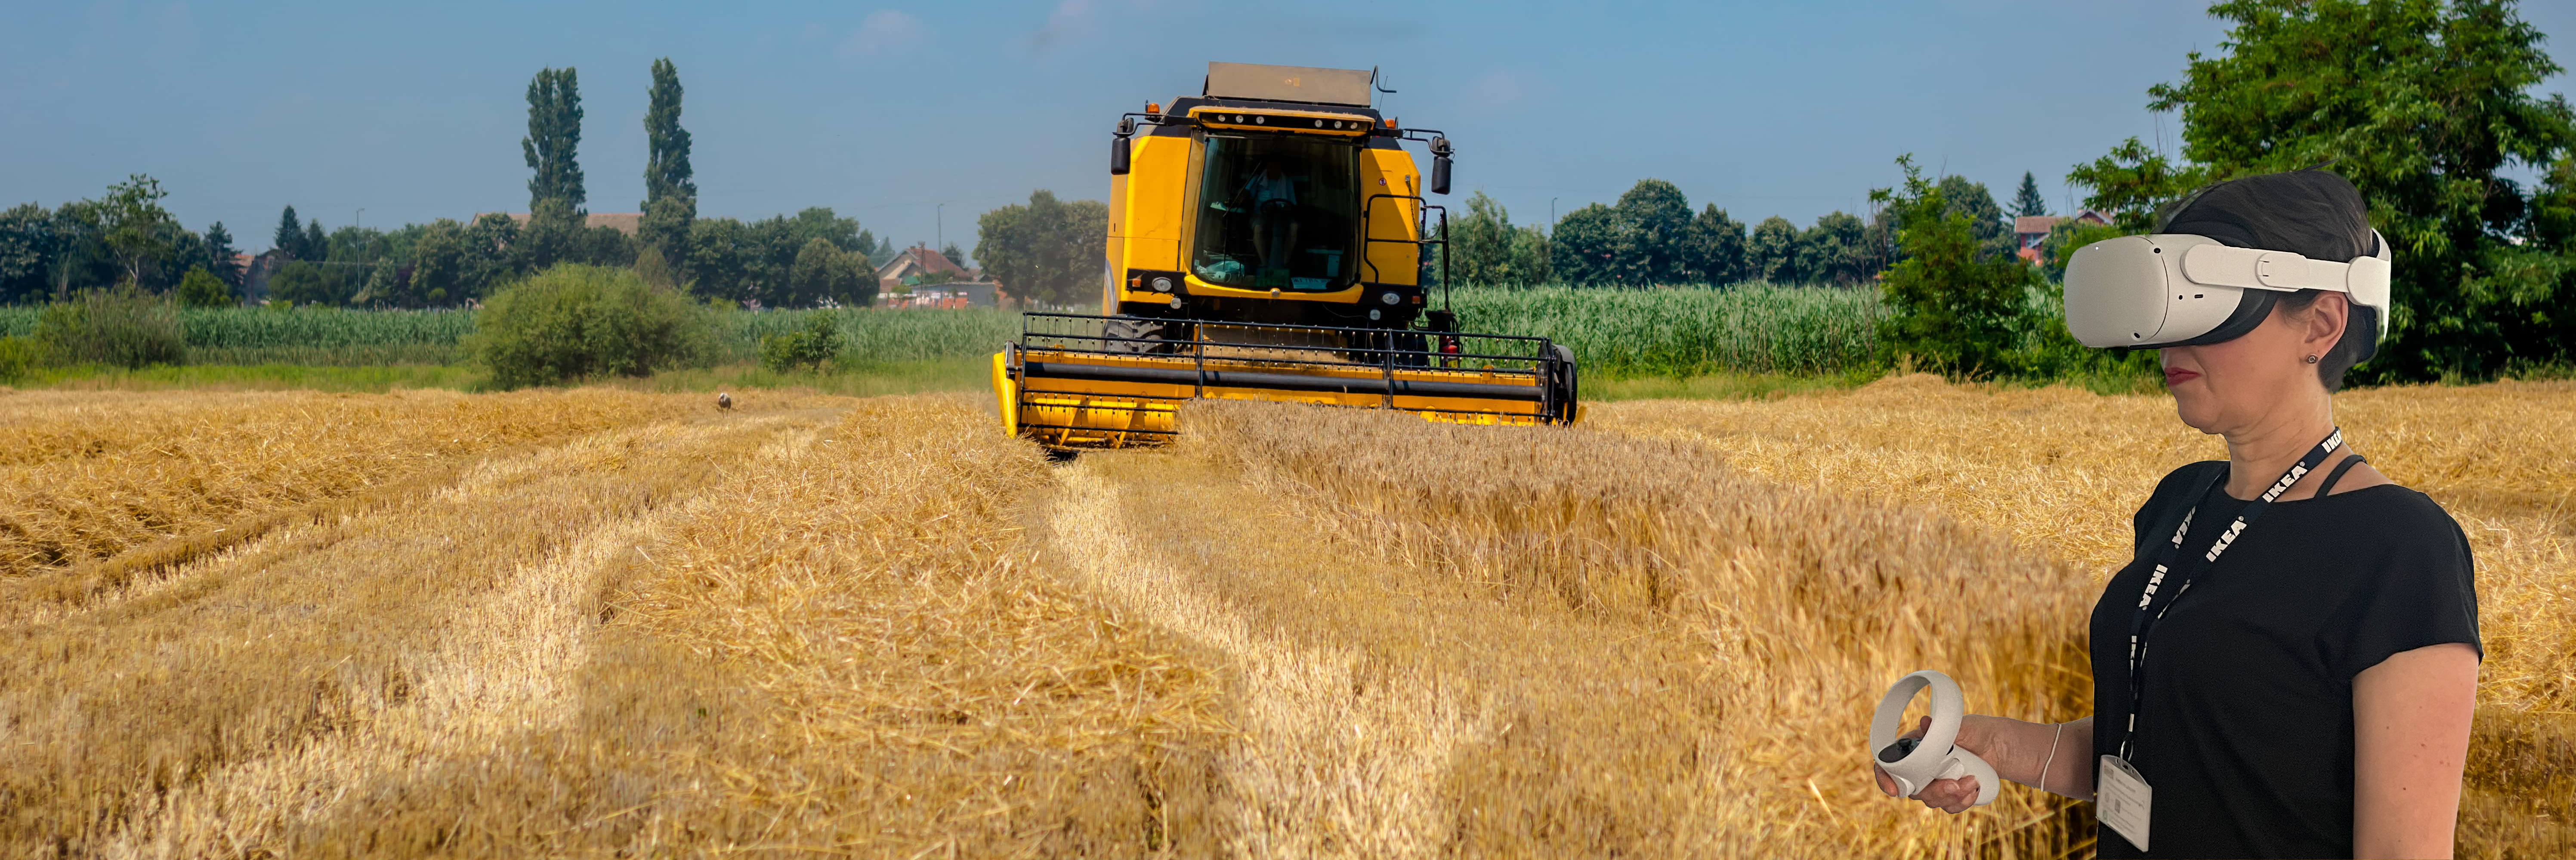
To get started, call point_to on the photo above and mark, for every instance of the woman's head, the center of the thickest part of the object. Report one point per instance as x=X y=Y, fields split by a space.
x=2307 y=339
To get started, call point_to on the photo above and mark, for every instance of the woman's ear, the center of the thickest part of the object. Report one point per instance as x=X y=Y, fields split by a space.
x=2326 y=321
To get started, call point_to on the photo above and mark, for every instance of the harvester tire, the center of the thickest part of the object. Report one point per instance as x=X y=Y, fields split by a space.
x=1145 y=330
x=1564 y=383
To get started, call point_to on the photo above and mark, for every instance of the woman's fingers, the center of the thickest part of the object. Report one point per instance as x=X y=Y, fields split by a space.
x=1953 y=796
x=1886 y=784
x=1921 y=728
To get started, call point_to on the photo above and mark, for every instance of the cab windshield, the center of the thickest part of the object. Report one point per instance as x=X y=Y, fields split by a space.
x=1277 y=212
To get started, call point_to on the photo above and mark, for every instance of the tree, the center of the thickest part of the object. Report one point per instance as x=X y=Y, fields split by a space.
x=670 y=184
x=548 y=237
x=219 y=255
x=554 y=139
x=954 y=254
x=717 y=259
x=2026 y=202
x=1480 y=243
x=316 y=244
x=1994 y=232
x=665 y=228
x=1835 y=250
x=2420 y=103
x=1656 y=222
x=27 y=249
x=824 y=271
x=1586 y=244
x=201 y=289
x=1772 y=254
x=133 y=220
x=1951 y=306
x=1714 y=252
x=289 y=238
x=666 y=144
x=304 y=283
x=1046 y=250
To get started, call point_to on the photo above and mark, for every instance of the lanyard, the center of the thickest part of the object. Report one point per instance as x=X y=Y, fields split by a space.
x=2145 y=620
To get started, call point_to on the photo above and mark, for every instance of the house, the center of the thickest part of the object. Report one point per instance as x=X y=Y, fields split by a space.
x=624 y=222
x=2031 y=230
x=917 y=262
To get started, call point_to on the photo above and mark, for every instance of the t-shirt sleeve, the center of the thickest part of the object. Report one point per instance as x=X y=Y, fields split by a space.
x=2420 y=591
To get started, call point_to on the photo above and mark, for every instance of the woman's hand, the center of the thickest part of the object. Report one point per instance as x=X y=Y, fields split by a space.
x=1953 y=796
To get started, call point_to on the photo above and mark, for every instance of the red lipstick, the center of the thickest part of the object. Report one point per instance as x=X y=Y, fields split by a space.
x=2177 y=376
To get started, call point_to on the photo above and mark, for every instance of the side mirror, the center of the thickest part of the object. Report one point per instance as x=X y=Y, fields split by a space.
x=1440 y=164
x=1118 y=146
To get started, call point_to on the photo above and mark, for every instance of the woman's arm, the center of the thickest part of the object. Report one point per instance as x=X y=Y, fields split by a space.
x=2018 y=751
x=2410 y=718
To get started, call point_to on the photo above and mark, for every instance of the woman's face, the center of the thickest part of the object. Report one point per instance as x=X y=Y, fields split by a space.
x=2229 y=386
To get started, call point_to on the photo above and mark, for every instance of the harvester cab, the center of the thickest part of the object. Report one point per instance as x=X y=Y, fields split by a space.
x=1268 y=240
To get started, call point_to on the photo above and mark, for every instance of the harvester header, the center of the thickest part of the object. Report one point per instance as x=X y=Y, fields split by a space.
x=1267 y=240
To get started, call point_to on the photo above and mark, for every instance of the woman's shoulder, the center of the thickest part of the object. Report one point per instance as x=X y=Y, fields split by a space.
x=2186 y=479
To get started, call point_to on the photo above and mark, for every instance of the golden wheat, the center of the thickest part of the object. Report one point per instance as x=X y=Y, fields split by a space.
x=604 y=623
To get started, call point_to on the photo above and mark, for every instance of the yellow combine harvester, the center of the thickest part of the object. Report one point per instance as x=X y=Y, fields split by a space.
x=1266 y=242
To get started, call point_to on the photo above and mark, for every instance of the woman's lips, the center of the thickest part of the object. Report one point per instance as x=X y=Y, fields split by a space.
x=2178 y=376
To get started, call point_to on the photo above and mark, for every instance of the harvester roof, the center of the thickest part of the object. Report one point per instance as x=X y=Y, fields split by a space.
x=1303 y=84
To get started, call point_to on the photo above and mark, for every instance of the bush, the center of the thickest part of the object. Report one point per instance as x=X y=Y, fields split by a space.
x=201 y=289
x=810 y=347
x=123 y=327
x=18 y=357
x=572 y=321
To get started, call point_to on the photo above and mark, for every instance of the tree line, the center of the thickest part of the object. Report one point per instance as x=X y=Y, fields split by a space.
x=1651 y=236
x=814 y=257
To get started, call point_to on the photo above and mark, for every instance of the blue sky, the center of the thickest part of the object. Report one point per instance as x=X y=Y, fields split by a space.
x=884 y=111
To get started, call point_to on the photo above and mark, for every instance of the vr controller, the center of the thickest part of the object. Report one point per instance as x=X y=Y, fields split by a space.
x=1916 y=763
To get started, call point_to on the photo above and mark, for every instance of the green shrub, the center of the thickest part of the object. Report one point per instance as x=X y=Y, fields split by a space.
x=19 y=356
x=1621 y=332
x=572 y=322
x=810 y=347
x=201 y=289
x=123 y=327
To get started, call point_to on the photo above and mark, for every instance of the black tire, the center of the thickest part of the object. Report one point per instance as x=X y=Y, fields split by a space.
x=1564 y=384
x=1149 y=335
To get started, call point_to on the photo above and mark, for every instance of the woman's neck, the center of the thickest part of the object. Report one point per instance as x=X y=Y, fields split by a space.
x=2257 y=455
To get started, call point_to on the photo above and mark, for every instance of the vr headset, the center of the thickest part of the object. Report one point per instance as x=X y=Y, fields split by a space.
x=2178 y=289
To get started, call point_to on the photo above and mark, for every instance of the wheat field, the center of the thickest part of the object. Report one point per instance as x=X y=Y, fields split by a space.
x=610 y=623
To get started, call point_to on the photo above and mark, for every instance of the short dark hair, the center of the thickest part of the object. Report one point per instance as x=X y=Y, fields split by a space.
x=2313 y=213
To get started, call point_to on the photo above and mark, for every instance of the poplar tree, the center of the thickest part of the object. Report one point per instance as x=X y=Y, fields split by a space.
x=670 y=186
x=554 y=138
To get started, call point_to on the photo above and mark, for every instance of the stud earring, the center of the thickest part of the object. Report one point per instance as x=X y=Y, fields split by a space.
x=2312 y=359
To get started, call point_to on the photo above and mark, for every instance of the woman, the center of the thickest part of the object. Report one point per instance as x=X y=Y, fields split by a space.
x=2308 y=691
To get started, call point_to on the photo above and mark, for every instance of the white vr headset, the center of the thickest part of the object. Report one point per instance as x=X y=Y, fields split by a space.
x=2177 y=289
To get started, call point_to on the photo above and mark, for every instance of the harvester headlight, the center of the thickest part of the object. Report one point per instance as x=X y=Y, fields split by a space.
x=1319 y=123
x=1162 y=285
x=1260 y=120
x=1176 y=303
x=1374 y=314
x=1390 y=298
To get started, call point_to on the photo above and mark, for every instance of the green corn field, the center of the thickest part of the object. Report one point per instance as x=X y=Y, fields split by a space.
x=1686 y=331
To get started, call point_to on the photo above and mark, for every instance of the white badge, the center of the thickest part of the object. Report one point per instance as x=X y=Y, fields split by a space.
x=2122 y=798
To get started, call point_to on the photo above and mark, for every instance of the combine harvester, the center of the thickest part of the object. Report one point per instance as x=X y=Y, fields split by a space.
x=1267 y=242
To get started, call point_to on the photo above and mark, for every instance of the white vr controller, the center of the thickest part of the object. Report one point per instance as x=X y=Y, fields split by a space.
x=1915 y=764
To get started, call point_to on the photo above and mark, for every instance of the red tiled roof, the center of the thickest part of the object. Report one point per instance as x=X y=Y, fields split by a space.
x=2036 y=223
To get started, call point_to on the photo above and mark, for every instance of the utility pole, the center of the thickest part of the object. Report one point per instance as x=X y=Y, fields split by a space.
x=1551 y=216
x=360 y=221
x=941 y=232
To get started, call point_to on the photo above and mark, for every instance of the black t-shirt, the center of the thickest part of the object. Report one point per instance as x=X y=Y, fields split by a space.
x=2245 y=730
